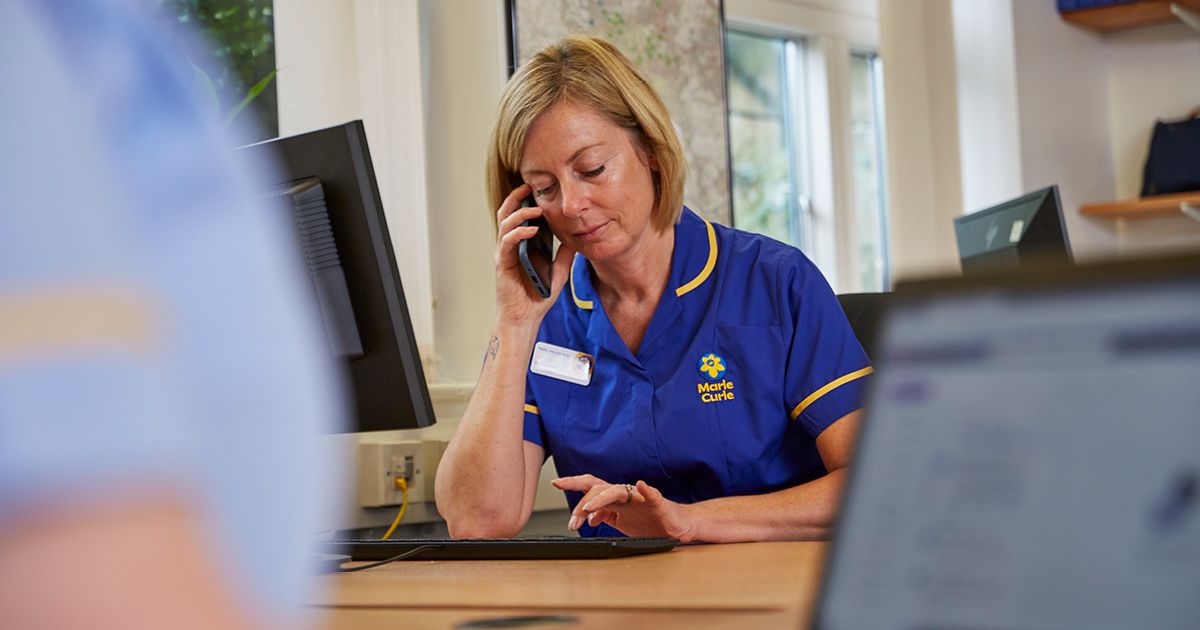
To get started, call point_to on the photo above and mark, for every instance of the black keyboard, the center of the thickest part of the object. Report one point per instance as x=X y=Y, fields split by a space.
x=547 y=548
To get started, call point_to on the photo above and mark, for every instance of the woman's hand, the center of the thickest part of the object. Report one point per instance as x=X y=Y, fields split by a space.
x=516 y=299
x=634 y=510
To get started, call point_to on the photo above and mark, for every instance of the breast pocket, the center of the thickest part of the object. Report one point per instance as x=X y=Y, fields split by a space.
x=595 y=431
x=599 y=405
x=754 y=418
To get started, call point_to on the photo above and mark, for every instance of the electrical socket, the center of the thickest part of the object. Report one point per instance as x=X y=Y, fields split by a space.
x=379 y=463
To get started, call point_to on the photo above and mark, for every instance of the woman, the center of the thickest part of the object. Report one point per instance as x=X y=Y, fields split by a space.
x=715 y=382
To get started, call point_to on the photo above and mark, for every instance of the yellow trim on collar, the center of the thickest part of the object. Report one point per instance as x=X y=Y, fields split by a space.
x=708 y=266
x=836 y=383
x=584 y=304
x=695 y=282
x=533 y=410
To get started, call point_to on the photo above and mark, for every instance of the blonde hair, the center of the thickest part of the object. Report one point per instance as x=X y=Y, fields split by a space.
x=591 y=72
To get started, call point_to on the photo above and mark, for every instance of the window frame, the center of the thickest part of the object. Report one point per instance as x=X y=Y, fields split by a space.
x=875 y=63
x=827 y=142
x=795 y=121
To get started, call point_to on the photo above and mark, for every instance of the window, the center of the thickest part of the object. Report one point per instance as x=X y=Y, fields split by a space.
x=806 y=138
x=238 y=70
x=764 y=122
x=870 y=215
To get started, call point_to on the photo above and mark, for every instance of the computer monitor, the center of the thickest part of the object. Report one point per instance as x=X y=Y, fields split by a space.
x=327 y=185
x=1025 y=231
x=1028 y=458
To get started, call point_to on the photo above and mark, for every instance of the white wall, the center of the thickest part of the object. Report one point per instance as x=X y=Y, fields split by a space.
x=465 y=57
x=988 y=121
x=916 y=43
x=1064 y=112
x=340 y=61
x=1032 y=101
x=312 y=50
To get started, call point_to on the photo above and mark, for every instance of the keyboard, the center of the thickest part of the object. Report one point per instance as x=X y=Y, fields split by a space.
x=545 y=548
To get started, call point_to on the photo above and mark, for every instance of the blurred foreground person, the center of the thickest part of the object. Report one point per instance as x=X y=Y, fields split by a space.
x=162 y=382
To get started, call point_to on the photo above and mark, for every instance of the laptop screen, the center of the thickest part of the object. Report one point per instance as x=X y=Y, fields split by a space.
x=1031 y=459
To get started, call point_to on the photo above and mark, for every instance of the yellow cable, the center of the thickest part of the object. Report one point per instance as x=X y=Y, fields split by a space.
x=402 y=485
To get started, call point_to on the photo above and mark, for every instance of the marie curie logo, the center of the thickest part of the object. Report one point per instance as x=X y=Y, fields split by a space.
x=712 y=366
x=714 y=388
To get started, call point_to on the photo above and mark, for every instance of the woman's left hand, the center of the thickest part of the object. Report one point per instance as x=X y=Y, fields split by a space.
x=634 y=510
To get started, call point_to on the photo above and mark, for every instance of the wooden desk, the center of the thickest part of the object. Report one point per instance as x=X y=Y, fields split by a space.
x=760 y=585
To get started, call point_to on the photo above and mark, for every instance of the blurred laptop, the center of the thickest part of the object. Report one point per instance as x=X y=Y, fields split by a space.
x=1030 y=457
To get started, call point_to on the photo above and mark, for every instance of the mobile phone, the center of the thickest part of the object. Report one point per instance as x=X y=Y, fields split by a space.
x=537 y=252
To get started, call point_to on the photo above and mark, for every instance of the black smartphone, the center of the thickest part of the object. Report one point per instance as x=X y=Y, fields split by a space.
x=537 y=252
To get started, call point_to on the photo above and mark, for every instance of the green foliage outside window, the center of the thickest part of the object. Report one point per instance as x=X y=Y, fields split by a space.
x=765 y=186
x=238 y=70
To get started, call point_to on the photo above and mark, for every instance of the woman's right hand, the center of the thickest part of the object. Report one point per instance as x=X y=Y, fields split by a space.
x=516 y=299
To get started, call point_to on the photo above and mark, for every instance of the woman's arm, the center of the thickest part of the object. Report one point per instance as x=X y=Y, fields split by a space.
x=805 y=512
x=487 y=478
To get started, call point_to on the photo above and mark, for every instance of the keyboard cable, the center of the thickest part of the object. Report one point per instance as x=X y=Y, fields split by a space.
x=406 y=554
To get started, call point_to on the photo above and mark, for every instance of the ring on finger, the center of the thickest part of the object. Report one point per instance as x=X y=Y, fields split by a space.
x=628 y=493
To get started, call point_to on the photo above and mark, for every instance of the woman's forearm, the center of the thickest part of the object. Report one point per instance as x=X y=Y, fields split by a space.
x=481 y=481
x=805 y=512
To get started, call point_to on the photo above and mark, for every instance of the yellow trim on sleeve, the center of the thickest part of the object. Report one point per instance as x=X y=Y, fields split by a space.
x=584 y=304
x=73 y=319
x=533 y=410
x=836 y=383
x=708 y=266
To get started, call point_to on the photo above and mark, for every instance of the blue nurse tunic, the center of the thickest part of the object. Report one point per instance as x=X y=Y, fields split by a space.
x=747 y=359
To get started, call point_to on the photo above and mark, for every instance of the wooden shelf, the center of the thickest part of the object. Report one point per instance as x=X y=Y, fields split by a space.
x=1129 y=15
x=1145 y=208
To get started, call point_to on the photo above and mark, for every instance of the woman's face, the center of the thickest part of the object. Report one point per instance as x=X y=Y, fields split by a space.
x=592 y=180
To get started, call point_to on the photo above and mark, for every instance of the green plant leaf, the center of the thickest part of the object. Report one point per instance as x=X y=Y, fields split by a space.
x=251 y=94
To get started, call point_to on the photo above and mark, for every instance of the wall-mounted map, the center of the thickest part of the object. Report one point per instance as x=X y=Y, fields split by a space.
x=678 y=46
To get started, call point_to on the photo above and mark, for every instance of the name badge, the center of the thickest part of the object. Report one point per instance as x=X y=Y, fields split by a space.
x=561 y=363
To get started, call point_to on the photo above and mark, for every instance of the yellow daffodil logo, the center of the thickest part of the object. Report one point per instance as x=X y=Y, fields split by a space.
x=712 y=366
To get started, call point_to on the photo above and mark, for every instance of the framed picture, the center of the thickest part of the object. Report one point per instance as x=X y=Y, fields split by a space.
x=679 y=46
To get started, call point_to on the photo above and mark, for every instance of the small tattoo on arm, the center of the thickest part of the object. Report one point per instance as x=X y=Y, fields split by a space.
x=493 y=348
